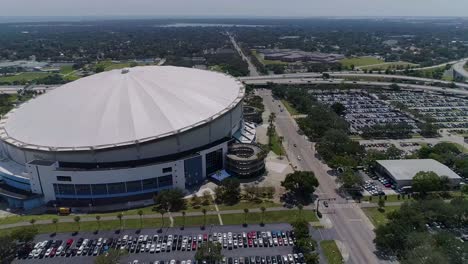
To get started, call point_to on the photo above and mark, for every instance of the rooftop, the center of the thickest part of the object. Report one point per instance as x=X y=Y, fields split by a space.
x=121 y=107
x=406 y=169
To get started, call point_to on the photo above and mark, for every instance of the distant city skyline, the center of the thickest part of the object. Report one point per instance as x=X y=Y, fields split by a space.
x=239 y=8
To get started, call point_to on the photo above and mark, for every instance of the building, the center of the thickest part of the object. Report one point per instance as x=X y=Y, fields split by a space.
x=245 y=160
x=403 y=171
x=119 y=136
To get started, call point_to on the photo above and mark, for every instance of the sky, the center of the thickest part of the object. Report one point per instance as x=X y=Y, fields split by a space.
x=233 y=8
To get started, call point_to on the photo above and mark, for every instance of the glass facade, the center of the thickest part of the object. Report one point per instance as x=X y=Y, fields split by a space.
x=214 y=161
x=91 y=190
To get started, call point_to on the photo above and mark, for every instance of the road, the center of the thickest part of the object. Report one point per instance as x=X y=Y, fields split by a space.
x=352 y=227
x=295 y=76
x=299 y=80
x=252 y=69
x=460 y=70
x=13 y=89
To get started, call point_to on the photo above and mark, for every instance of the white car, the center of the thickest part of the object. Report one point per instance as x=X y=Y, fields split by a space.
x=59 y=251
x=148 y=246
x=152 y=248
x=31 y=254
x=37 y=245
x=163 y=247
x=158 y=248
x=37 y=253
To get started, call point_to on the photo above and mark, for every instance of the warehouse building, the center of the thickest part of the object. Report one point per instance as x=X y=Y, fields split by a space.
x=402 y=172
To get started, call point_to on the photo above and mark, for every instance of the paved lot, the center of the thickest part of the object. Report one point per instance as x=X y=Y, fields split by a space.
x=178 y=255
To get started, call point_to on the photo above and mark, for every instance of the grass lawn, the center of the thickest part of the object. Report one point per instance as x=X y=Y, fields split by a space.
x=360 y=61
x=290 y=108
x=92 y=226
x=390 y=198
x=66 y=69
x=267 y=62
x=390 y=65
x=25 y=76
x=275 y=145
x=196 y=220
x=249 y=205
x=270 y=217
x=331 y=251
x=379 y=218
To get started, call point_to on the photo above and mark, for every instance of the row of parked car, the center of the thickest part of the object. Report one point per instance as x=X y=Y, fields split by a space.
x=160 y=243
x=279 y=259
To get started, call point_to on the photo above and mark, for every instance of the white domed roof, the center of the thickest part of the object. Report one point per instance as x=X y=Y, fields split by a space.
x=121 y=107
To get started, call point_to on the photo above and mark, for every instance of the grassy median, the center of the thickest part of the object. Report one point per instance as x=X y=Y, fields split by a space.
x=331 y=251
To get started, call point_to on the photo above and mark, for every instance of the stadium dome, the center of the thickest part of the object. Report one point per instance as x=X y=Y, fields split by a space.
x=122 y=107
x=120 y=136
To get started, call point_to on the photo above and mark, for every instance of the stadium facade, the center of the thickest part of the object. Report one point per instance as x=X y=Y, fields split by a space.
x=119 y=136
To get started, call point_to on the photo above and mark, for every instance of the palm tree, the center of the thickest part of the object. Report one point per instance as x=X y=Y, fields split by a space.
x=204 y=216
x=55 y=221
x=299 y=208
x=32 y=221
x=263 y=209
x=162 y=211
x=140 y=213
x=246 y=211
x=77 y=221
x=183 y=218
x=120 y=216
x=98 y=220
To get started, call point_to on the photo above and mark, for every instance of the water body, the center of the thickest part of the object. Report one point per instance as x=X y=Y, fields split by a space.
x=208 y=25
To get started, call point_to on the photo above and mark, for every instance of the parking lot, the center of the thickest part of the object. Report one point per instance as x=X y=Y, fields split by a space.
x=364 y=109
x=272 y=244
x=445 y=111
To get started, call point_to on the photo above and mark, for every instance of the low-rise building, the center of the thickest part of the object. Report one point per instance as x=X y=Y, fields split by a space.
x=402 y=172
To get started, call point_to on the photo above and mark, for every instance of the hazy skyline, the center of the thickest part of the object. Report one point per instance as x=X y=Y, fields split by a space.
x=233 y=8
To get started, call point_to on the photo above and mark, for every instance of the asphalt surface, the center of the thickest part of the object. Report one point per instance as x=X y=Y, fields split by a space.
x=252 y=69
x=459 y=68
x=299 y=76
x=177 y=255
x=301 y=80
x=351 y=225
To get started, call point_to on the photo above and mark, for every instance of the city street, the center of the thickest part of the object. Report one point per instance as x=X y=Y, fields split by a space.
x=351 y=225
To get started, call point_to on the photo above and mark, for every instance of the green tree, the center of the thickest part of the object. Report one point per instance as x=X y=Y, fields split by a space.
x=32 y=221
x=381 y=204
x=246 y=212
x=55 y=222
x=98 y=220
x=162 y=212
x=338 y=108
x=263 y=209
x=229 y=191
x=301 y=184
x=170 y=200
x=349 y=180
x=24 y=235
x=183 y=218
x=140 y=213
x=120 y=217
x=99 y=68
x=204 y=216
x=209 y=252
x=111 y=257
x=464 y=190
x=7 y=249
x=195 y=200
x=424 y=182
x=77 y=220
x=299 y=211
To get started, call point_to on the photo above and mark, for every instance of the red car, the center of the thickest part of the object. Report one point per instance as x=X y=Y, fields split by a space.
x=280 y=241
x=69 y=242
x=205 y=237
x=52 y=252
x=194 y=246
x=250 y=242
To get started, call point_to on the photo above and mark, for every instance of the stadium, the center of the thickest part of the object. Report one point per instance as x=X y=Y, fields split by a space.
x=120 y=136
